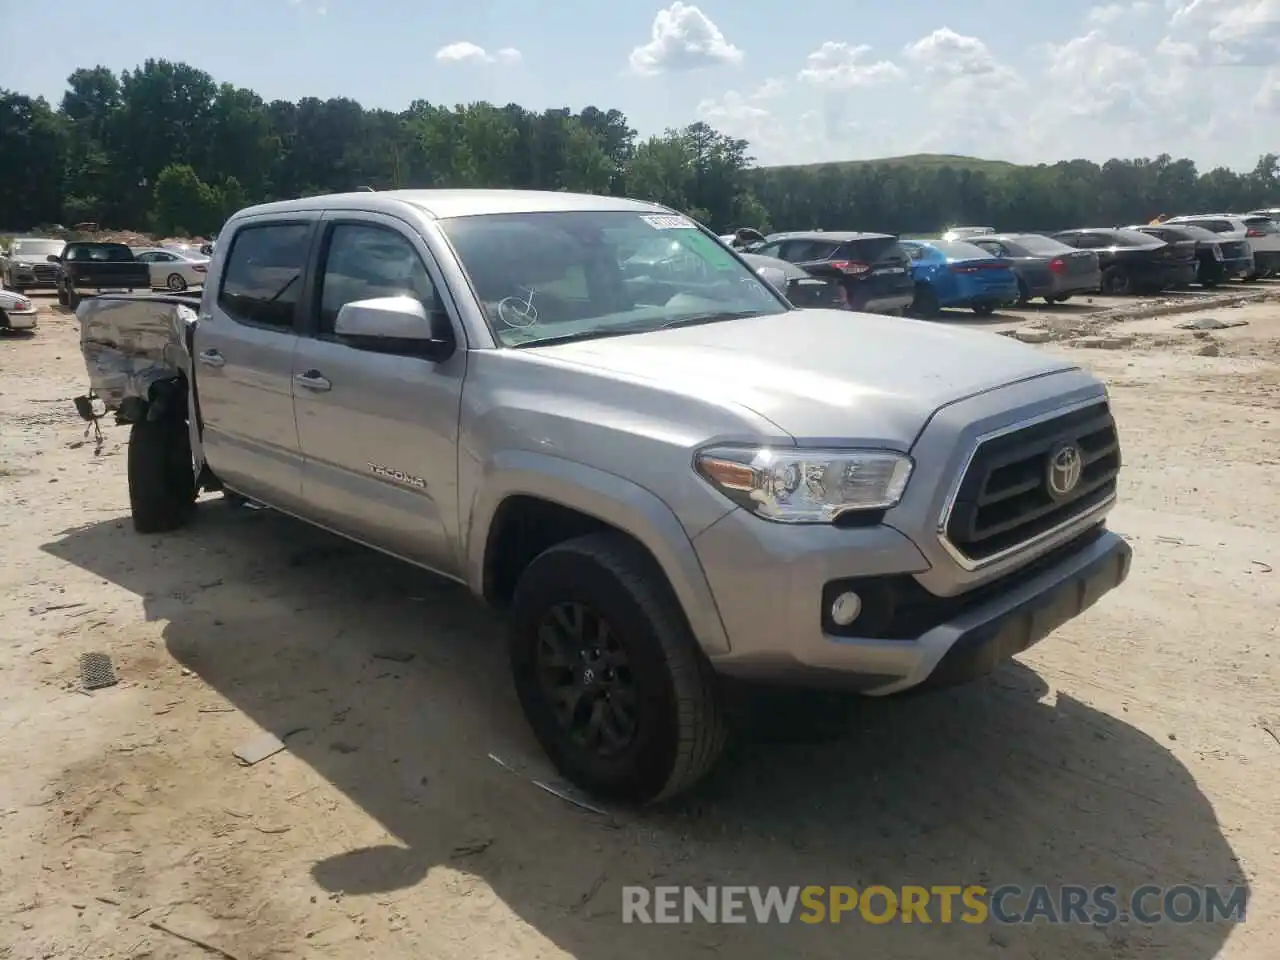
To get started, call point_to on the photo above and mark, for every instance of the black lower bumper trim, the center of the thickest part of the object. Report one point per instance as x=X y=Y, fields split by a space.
x=980 y=649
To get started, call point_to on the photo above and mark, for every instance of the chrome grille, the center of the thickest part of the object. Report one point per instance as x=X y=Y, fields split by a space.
x=1005 y=499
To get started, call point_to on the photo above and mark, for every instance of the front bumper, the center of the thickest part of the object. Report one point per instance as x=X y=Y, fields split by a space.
x=772 y=583
x=26 y=277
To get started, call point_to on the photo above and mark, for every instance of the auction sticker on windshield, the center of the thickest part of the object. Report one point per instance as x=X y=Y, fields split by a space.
x=668 y=222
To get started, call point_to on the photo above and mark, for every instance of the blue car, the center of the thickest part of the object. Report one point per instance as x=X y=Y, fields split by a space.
x=952 y=273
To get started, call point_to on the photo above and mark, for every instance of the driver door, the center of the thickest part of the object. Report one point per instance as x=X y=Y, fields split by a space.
x=378 y=431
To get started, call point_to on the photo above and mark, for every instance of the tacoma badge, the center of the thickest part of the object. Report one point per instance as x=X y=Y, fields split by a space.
x=399 y=476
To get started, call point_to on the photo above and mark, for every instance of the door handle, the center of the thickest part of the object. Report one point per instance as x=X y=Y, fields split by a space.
x=212 y=358
x=312 y=380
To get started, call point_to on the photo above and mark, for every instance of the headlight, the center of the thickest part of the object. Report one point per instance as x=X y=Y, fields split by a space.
x=794 y=485
x=23 y=265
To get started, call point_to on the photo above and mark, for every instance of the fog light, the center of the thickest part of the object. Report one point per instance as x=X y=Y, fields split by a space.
x=845 y=609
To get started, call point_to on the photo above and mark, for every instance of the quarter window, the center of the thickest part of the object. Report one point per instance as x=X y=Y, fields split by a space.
x=366 y=262
x=262 y=281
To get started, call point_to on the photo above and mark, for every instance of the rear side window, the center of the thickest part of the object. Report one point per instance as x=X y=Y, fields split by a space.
x=1217 y=226
x=1264 y=224
x=262 y=281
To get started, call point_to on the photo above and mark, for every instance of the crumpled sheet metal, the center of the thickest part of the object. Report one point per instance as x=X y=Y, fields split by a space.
x=130 y=344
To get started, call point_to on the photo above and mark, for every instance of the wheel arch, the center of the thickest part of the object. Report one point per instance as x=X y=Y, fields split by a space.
x=574 y=499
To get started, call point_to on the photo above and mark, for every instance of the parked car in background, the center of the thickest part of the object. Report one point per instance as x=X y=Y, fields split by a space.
x=1131 y=262
x=86 y=269
x=27 y=264
x=16 y=312
x=173 y=270
x=1218 y=258
x=964 y=233
x=797 y=284
x=872 y=269
x=1044 y=267
x=953 y=273
x=1260 y=232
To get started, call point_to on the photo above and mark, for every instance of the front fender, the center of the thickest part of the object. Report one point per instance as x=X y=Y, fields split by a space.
x=611 y=499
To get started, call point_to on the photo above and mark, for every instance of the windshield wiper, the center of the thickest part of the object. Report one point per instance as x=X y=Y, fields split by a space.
x=701 y=318
x=581 y=335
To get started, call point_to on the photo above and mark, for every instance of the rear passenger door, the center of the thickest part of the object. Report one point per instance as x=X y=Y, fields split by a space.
x=244 y=348
x=379 y=431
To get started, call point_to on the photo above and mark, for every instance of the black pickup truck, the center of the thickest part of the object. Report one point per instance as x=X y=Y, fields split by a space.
x=86 y=269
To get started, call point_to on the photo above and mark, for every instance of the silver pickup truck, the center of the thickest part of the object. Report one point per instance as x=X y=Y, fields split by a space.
x=663 y=480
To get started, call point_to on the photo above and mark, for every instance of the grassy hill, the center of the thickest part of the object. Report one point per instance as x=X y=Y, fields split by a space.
x=919 y=161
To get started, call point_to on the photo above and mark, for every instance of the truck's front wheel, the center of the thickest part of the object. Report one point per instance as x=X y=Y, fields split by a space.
x=609 y=674
x=162 y=486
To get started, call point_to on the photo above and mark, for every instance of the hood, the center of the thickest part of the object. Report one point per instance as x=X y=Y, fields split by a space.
x=822 y=375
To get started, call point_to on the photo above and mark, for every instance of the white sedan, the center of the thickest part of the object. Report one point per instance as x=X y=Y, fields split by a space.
x=173 y=270
x=16 y=311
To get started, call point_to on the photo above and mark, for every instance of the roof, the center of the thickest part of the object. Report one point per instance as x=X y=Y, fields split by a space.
x=440 y=204
x=837 y=236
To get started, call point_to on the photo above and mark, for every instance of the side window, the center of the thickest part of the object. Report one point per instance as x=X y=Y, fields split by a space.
x=770 y=250
x=993 y=247
x=147 y=257
x=1070 y=239
x=365 y=262
x=1089 y=241
x=262 y=281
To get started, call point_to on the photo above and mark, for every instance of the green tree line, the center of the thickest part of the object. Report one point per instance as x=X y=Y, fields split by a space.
x=165 y=147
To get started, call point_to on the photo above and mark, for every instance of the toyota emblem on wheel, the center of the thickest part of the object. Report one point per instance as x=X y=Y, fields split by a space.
x=1065 y=467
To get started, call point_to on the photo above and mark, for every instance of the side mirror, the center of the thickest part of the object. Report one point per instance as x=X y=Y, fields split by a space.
x=53 y=258
x=396 y=325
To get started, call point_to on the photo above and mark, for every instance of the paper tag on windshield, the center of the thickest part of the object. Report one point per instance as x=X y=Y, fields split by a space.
x=668 y=222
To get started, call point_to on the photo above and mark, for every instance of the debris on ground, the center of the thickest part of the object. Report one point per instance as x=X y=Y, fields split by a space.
x=395 y=656
x=1032 y=335
x=1209 y=350
x=97 y=671
x=262 y=746
x=1209 y=323
x=1102 y=343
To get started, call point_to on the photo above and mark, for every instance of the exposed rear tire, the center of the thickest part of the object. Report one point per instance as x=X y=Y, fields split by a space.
x=176 y=283
x=596 y=634
x=983 y=308
x=1057 y=299
x=162 y=486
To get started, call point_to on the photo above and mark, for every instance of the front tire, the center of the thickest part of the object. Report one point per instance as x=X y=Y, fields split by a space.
x=162 y=485
x=926 y=302
x=608 y=673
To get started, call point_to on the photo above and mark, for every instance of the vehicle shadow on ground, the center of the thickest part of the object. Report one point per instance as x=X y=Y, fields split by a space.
x=991 y=784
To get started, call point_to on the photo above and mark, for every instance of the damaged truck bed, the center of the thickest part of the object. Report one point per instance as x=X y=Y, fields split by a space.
x=137 y=351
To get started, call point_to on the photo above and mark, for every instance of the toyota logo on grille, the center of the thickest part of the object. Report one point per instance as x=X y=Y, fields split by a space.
x=1066 y=464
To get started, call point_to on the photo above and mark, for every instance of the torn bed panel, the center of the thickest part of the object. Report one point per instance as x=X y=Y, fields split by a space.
x=130 y=343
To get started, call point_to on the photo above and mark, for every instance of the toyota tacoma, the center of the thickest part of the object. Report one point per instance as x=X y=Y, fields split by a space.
x=662 y=480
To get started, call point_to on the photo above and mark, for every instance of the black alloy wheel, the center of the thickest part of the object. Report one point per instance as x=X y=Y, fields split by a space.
x=586 y=677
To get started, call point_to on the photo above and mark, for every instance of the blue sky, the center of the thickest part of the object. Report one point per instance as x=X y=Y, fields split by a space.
x=803 y=80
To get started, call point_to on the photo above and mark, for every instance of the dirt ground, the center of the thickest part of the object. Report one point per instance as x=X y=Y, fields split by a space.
x=1137 y=745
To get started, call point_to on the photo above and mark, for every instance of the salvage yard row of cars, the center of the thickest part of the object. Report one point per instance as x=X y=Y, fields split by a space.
x=981 y=270
x=40 y=262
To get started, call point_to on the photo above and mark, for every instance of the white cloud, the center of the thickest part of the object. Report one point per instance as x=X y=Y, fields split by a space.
x=840 y=66
x=464 y=51
x=1229 y=32
x=1110 y=14
x=1268 y=97
x=1101 y=79
x=950 y=55
x=683 y=38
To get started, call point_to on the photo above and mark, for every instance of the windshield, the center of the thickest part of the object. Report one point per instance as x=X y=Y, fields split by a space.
x=584 y=274
x=959 y=250
x=36 y=249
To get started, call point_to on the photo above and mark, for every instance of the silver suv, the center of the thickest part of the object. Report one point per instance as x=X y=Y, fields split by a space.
x=663 y=478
